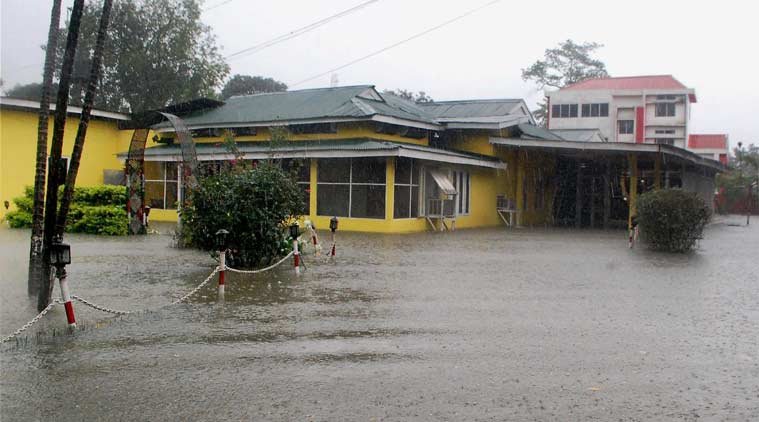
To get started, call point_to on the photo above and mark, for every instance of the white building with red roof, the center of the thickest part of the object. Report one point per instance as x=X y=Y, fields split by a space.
x=638 y=109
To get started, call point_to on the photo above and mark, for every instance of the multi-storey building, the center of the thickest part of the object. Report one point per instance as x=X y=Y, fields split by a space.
x=638 y=109
x=714 y=146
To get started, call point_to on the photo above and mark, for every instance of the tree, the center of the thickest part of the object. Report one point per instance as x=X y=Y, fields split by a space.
x=247 y=85
x=566 y=64
x=36 y=261
x=419 y=97
x=672 y=220
x=733 y=185
x=159 y=52
x=31 y=91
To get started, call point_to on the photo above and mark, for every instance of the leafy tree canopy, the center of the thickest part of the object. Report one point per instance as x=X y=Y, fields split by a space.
x=563 y=65
x=246 y=85
x=157 y=52
x=31 y=91
x=419 y=97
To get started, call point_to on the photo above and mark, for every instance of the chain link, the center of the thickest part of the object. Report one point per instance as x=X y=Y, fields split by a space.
x=234 y=270
x=197 y=289
x=101 y=308
x=30 y=323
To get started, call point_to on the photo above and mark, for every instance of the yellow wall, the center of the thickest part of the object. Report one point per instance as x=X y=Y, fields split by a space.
x=18 y=149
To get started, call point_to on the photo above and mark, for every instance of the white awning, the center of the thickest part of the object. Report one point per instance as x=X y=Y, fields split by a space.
x=443 y=182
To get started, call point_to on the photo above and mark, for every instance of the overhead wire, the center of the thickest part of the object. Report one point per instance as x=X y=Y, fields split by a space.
x=396 y=44
x=296 y=32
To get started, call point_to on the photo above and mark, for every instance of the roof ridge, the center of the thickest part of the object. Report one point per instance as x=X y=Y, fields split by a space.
x=301 y=90
x=475 y=100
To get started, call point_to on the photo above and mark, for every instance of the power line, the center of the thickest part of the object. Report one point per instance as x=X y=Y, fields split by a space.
x=413 y=37
x=294 y=33
x=217 y=5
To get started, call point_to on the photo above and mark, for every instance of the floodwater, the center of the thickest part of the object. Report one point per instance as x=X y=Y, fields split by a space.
x=495 y=324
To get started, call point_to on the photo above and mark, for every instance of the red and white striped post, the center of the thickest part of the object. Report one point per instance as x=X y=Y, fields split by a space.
x=333 y=229
x=60 y=256
x=221 y=245
x=294 y=232
x=66 y=297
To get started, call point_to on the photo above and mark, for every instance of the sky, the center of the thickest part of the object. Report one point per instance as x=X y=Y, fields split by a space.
x=709 y=46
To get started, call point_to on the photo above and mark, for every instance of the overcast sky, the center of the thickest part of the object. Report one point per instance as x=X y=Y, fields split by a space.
x=709 y=46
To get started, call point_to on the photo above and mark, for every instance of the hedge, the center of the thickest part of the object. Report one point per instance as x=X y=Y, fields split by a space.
x=672 y=220
x=94 y=210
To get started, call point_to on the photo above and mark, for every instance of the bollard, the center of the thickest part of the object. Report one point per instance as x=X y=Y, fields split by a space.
x=60 y=256
x=66 y=297
x=221 y=246
x=333 y=229
x=296 y=255
x=222 y=272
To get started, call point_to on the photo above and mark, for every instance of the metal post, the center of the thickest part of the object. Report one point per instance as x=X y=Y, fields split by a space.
x=222 y=271
x=66 y=297
x=296 y=256
x=578 y=196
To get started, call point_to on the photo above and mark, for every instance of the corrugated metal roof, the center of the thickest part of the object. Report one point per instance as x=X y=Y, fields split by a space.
x=307 y=104
x=578 y=135
x=353 y=144
x=470 y=108
x=537 y=132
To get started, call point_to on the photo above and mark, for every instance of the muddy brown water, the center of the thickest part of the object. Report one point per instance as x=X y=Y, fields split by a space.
x=495 y=324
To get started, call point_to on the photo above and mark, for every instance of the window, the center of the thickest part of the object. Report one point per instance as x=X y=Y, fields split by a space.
x=161 y=185
x=626 y=126
x=462 y=183
x=664 y=141
x=665 y=131
x=665 y=109
x=406 y=203
x=564 y=110
x=595 y=110
x=301 y=170
x=351 y=187
x=666 y=97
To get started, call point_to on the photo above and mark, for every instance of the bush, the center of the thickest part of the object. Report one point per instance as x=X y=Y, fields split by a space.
x=94 y=210
x=671 y=219
x=254 y=204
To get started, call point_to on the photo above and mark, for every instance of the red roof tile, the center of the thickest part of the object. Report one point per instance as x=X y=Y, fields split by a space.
x=707 y=141
x=629 y=82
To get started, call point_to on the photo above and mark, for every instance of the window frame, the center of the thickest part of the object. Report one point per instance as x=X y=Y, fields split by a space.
x=350 y=185
x=624 y=123
x=165 y=183
x=463 y=197
x=663 y=110
x=410 y=185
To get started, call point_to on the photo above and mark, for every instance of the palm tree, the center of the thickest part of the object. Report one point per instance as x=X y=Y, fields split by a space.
x=56 y=147
x=35 y=251
x=89 y=99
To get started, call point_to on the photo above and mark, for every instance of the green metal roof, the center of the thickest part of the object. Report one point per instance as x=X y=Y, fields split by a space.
x=470 y=108
x=537 y=132
x=323 y=148
x=361 y=101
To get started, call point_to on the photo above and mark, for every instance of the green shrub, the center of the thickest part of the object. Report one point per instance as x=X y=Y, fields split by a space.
x=94 y=210
x=671 y=219
x=19 y=219
x=253 y=204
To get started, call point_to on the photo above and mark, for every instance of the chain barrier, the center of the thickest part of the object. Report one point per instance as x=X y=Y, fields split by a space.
x=197 y=289
x=235 y=270
x=101 y=308
x=30 y=323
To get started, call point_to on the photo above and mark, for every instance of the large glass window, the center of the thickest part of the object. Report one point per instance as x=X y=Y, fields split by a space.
x=461 y=182
x=161 y=185
x=351 y=187
x=595 y=110
x=406 y=204
x=564 y=110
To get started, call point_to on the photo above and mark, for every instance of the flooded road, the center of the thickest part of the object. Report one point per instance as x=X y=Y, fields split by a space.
x=471 y=325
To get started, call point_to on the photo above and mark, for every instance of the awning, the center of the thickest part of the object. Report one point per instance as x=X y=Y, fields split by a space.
x=443 y=182
x=335 y=148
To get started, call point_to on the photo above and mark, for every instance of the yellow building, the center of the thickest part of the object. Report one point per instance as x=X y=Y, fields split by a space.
x=379 y=162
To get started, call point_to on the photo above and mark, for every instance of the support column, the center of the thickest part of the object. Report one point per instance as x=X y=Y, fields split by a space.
x=593 y=201
x=312 y=188
x=632 y=161
x=520 y=188
x=607 y=195
x=657 y=172
x=578 y=197
x=389 y=188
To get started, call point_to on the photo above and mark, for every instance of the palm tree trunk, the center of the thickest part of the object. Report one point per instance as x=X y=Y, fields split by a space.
x=35 y=251
x=61 y=106
x=84 y=120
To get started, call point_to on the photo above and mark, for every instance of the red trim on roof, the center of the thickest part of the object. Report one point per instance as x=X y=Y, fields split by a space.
x=707 y=141
x=629 y=82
